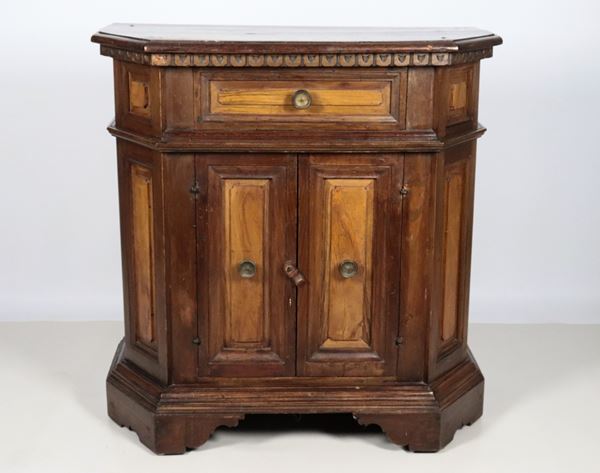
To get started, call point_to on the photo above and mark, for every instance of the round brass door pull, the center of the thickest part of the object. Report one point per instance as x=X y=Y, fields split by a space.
x=301 y=99
x=348 y=269
x=247 y=268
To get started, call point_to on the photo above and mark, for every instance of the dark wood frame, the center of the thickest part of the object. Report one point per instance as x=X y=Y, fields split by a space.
x=421 y=388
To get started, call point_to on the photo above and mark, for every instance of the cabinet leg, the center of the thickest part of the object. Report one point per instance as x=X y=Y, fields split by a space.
x=415 y=432
x=165 y=433
x=432 y=431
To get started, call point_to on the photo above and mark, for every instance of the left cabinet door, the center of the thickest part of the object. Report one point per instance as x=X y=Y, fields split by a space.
x=246 y=221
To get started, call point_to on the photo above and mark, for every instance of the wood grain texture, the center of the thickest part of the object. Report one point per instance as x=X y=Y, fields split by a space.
x=420 y=98
x=263 y=99
x=246 y=221
x=181 y=268
x=453 y=219
x=456 y=97
x=171 y=419
x=343 y=101
x=178 y=85
x=139 y=97
x=246 y=212
x=348 y=326
x=287 y=260
x=460 y=95
x=143 y=258
x=291 y=39
x=143 y=253
x=348 y=227
x=417 y=262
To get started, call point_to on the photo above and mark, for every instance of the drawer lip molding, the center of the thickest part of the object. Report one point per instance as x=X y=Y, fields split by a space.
x=294 y=141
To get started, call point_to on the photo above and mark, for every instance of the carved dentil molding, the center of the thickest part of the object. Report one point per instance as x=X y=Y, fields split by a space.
x=297 y=60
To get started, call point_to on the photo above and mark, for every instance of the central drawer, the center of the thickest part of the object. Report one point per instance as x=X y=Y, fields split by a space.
x=292 y=97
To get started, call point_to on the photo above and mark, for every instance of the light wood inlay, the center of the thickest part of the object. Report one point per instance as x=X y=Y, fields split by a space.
x=143 y=252
x=139 y=97
x=460 y=92
x=349 y=236
x=246 y=204
x=339 y=100
x=458 y=96
x=452 y=234
x=352 y=213
x=246 y=211
x=338 y=166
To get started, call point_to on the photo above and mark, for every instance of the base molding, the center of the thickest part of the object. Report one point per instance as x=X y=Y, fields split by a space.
x=171 y=419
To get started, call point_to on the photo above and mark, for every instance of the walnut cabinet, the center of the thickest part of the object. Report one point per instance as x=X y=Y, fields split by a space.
x=296 y=211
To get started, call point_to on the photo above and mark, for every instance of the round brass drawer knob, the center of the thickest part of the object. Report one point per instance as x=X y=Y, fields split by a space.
x=348 y=269
x=247 y=268
x=301 y=99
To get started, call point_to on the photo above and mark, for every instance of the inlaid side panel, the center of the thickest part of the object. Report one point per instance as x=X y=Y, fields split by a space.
x=457 y=96
x=143 y=254
x=453 y=224
x=348 y=228
x=246 y=231
x=453 y=257
x=137 y=98
x=139 y=95
x=349 y=249
x=460 y=95
x=246 y=219
x=142 y=241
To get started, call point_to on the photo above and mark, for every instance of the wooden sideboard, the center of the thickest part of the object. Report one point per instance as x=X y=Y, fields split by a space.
x=296 y=214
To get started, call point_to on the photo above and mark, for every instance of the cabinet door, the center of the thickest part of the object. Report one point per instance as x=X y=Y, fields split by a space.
x=246 y=231
x=350 y=208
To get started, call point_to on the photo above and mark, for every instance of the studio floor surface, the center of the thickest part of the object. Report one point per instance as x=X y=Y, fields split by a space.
x=542 y=412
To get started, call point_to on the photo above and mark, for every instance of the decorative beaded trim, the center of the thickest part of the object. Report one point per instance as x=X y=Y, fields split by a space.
x=297 y=60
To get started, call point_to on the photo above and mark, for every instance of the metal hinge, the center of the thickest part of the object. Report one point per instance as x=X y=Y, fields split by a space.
x=195 y=189
x=196 y=340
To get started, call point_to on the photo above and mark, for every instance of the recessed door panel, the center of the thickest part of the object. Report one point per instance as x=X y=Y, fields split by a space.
x=349 y=249
x=247 y=230
x=348 y=225
x=246 y=207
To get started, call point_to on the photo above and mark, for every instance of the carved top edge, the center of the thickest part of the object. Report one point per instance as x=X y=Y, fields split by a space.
x=375 y=59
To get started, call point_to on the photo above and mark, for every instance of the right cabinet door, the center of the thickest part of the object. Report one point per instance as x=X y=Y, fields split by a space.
x=349 y=249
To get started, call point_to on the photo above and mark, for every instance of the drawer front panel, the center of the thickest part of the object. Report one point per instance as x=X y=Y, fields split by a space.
x=349 y=250
x=264 y=97
x=329 y=100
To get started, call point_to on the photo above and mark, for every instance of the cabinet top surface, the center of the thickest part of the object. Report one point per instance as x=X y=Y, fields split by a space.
x=189 y=38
